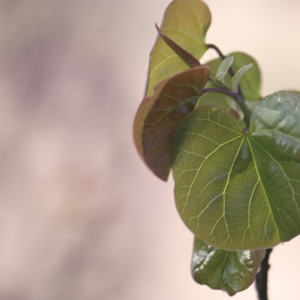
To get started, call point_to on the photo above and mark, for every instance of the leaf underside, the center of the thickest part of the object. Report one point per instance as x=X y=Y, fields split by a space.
x=185 y=23
x=230 y=271
x=240 y=190
x=160 y=114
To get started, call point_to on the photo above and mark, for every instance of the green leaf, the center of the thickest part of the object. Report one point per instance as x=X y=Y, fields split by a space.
x=188 y=58
x=223 y=69
x=235 y=110
x=238 y=76
x=250 y=82
x=240 y=190
x=160 y=114
x=252 y=104
x=230 y=271
x=185 y=22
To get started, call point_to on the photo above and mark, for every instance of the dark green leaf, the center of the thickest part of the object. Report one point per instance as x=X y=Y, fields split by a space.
x=230 y=271
x=185 y=22
x=240 y=190
x=160 y=114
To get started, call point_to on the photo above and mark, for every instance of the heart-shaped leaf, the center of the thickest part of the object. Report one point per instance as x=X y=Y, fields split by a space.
x=185 y=22
x=230 y=271
x=160 y=114
x=240 y=190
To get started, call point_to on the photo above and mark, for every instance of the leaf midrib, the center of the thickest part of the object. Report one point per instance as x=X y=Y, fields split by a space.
x=285 y=175
x=200 y=167
x=263 y=187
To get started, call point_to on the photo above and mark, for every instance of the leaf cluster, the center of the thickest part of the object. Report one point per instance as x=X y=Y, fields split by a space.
x=234 y=155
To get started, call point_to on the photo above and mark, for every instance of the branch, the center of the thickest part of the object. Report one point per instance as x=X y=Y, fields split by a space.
x=261 y=281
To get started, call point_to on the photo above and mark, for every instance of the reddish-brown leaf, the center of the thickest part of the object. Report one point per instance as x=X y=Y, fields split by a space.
x=160 y=114
x=185 y=22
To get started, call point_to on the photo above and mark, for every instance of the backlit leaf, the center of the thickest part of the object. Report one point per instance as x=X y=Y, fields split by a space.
x=188 y=58
x=230 y=271
x=240 y=190
x=185 y=22
x=160 y=114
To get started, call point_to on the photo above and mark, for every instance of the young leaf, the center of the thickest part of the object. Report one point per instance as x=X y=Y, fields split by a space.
x=185 y=22
x=160 y=114
x=240 y=190
x=250 y=82
x=223 y=69
x=235 y=81
x=230 y=271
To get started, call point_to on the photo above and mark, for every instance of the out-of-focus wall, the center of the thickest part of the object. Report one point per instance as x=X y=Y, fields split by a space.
x=80 y=215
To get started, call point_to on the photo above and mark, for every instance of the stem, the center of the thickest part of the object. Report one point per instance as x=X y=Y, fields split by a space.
x=230 y=71
x=262 y=277
x=212 y=46
x=237 y=97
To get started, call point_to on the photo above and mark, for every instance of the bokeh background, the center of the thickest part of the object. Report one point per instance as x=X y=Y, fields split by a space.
x=81 y=218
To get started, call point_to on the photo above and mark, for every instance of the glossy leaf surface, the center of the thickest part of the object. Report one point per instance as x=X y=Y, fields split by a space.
x=230 y=271
x=185 y=22
x=160 y=114
x=240 y=190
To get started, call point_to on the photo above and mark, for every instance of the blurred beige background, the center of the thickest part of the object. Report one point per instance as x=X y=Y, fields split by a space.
x=80 y=215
